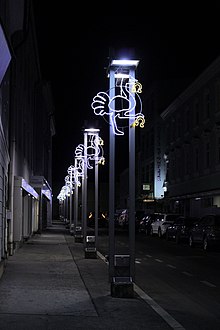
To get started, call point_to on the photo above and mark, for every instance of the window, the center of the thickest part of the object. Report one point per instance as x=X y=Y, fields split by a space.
x=206 y=202
x=187 y=120
x=173 y=129
x=218 y=150
x=187 y=161
x=196 y=159
x=179 y=122
x=207 y=105
x=207 y=155
x=217 y=96
x=196 y=113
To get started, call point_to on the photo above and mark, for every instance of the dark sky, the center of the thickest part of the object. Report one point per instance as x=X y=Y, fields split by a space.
x=175 y=40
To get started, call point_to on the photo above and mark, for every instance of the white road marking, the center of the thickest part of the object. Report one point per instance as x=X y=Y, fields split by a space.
x=159 y=310
x=171 y=266
x=101 y=257
x=148 y=255
x=208 y=284
x=187 y=274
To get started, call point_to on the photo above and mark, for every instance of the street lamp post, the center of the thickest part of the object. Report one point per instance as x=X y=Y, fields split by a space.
x=76 y=196
x=111 y=182
x=122 y=79
x=79 y=182
x=71 y=181
x=92 y=150
x=132 y=185
x=122 y=267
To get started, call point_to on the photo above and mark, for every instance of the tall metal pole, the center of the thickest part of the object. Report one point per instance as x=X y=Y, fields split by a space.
x=96 y=195
x=85 y=188
x=111 y=183
x=83 y=203
x=65 y=207
x=132 y=185
x=71 y=198
x=76 y=197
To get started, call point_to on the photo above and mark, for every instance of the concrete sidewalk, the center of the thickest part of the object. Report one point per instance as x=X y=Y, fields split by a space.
x=49 y=284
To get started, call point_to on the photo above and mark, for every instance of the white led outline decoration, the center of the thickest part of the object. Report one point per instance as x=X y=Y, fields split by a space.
x=68 y=184
x=78 y=171
x=94 y=151
x=71 y=172
x=65 y=190
x=128 y=91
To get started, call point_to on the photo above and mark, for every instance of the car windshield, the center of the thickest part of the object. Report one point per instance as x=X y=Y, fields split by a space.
x=171 y=217
x=154 y=216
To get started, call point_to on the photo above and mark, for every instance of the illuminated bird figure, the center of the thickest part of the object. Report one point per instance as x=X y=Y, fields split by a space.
x=79 y=164
x=93 y=152
x=78 y=171
x=120 y=106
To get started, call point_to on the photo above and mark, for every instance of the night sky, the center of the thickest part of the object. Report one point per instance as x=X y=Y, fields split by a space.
x=74 y=49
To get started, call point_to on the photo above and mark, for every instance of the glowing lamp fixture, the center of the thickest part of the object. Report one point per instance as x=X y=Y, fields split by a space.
x=91 y=130
x=127 y=63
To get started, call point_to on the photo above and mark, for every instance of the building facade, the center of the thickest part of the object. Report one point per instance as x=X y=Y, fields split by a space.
x=150 y=146
x=192 y=146
x=26 y=131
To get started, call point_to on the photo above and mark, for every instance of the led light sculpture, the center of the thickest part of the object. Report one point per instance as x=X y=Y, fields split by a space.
x=62 y=196
x=122 y=105
x=71 y=182
x=78 y=177
x=92 y=153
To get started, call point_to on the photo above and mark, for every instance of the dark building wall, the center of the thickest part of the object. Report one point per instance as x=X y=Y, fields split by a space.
x=192 y=144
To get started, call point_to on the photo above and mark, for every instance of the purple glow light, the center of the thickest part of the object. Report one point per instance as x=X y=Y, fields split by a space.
x=5 y=55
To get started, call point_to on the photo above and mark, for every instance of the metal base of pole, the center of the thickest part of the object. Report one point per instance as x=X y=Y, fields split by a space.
x=90 y=253
x=122 y=287
x=78 y=239
x=11 y=248
x=78 y=234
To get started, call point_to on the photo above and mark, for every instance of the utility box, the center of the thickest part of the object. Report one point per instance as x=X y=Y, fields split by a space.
x=122 y=265
x=122 y=285
x=72 y=229
x=78 y=234
x=90 y=247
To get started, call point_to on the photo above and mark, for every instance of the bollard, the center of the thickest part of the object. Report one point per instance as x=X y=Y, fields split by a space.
x=90 y=248
x=122 y=284
x=78 y=234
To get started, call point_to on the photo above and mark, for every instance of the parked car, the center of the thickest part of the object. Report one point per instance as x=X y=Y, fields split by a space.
x=179 y=230
x=138 y=218
x=206 y=232
x=161 y=223
x=123 y=219
x=117 y=216
x=145 y=223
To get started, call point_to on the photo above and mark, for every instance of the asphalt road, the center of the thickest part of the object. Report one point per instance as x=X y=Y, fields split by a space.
x=185 y=282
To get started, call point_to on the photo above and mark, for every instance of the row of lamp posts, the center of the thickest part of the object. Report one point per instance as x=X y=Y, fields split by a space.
x=87 y=156
x=120 y=103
